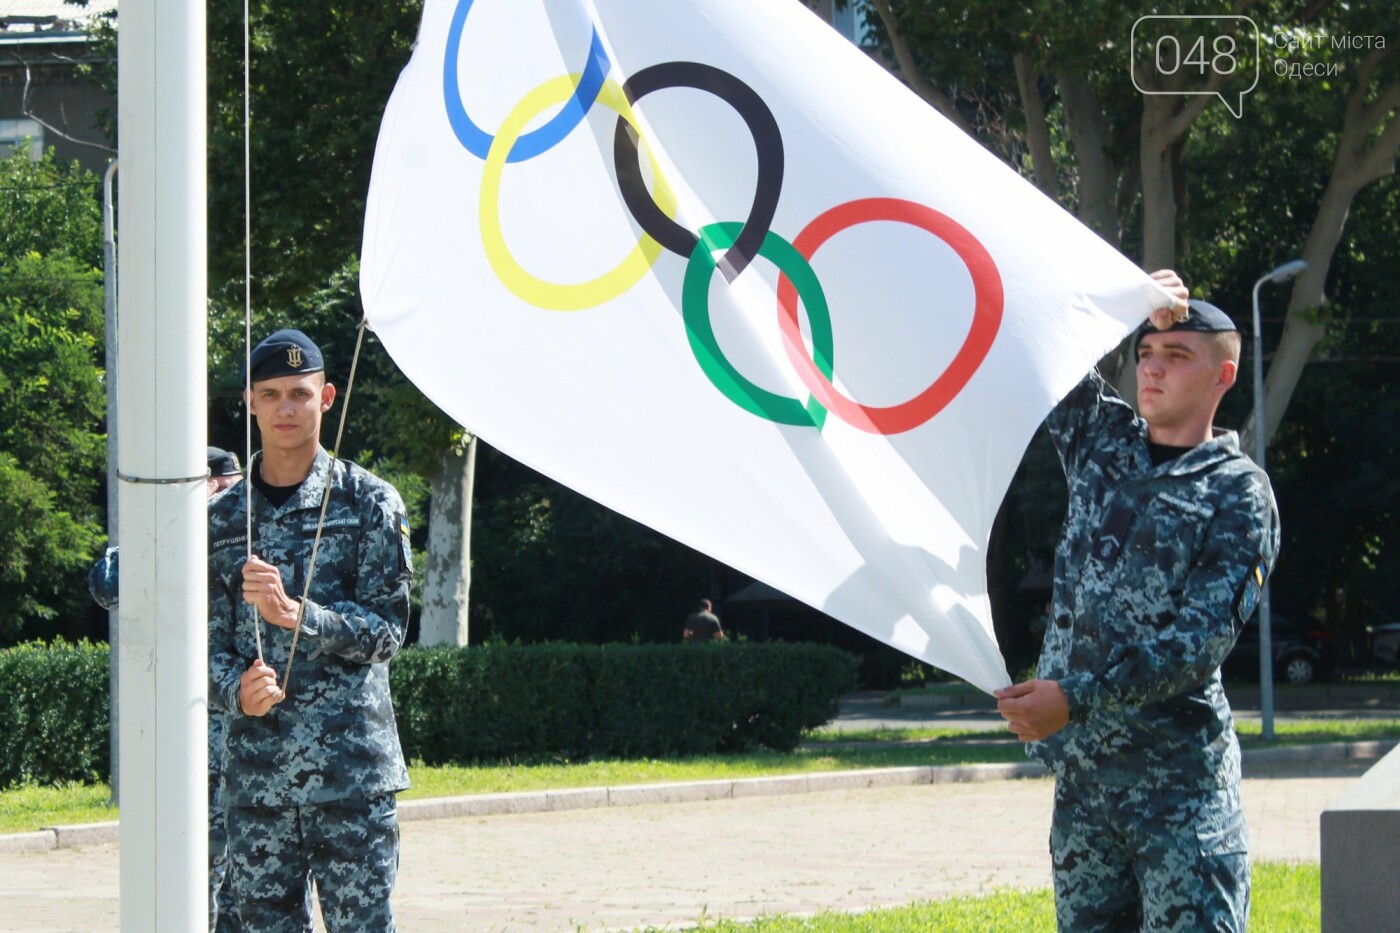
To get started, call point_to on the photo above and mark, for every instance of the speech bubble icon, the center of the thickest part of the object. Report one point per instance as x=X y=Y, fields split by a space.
x=1206 y=50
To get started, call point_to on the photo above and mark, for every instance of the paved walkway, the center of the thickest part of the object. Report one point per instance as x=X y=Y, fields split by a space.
x=670 y=865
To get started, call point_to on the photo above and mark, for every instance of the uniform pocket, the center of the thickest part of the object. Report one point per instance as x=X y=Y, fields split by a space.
x=1222 y=829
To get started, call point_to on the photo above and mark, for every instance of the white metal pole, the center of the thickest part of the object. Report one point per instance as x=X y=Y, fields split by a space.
x=1266 y=641
x=1266 y=635
x=109 y=314
x=161 y=410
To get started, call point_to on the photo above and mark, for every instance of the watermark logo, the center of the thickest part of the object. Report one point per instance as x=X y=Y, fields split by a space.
x=1187 y=56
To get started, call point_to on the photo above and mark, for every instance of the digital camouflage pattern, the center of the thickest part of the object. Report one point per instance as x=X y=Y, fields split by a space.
x=351 y=848
x=1156 y=572
x=223 y=917
x=102 y=579
x=1187 y=849
x=334 y=737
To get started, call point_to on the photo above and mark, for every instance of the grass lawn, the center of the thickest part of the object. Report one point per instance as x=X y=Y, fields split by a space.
x=453 y=780
x=26 y=809
x=1311 y=731
x=1286 y=898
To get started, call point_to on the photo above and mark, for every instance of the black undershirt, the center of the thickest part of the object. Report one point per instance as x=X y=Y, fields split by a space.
x=277 y=495
x=1161 y=453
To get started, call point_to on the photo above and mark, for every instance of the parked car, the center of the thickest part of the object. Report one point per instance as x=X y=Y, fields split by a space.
x=1301 y=655
x=1385 y=641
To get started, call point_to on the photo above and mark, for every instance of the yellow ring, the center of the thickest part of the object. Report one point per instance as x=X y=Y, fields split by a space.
x=555 y=296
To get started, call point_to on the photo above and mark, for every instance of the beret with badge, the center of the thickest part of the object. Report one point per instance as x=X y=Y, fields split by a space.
x=223 y=462
x=284 y=353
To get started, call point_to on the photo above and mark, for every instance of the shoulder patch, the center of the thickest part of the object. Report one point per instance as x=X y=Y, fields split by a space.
x=1250 y=592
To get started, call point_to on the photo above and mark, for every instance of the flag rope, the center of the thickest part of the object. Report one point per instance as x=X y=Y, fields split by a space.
x=325 y=502
x=248 y=311
x=248 y=377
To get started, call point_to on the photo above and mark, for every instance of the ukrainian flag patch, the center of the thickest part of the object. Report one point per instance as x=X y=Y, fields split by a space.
x=1250 y=593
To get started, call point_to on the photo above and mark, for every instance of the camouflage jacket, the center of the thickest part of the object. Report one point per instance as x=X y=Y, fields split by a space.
x=334 y=736
x=1156 y=572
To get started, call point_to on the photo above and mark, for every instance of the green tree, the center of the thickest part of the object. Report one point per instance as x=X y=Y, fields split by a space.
x=51 y=393
x=1307 y=170
x=49 y=208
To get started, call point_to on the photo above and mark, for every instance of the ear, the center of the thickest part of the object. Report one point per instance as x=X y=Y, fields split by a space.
x=1229 y=369
x=327 y=397
x=248 y=401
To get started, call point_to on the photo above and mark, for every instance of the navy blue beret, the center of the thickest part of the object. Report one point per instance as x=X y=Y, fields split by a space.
x=223 y=462
x=1205 y=318
x=285 y=353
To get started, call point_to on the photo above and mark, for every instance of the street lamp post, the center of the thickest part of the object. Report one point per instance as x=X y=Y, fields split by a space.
x=1266 y=648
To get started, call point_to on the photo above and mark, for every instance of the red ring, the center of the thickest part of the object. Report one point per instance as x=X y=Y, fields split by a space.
x=986 y=314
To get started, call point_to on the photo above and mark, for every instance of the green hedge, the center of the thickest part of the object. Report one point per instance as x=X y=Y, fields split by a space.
x=487 y=703
x=54 y=709
x=512 y=702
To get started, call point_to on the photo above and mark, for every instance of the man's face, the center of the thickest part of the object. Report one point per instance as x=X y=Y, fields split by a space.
x=289 y=409
x=1179 y=378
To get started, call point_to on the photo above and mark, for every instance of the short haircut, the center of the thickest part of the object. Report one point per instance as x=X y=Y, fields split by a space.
x=704 y=606
x=1226 y=346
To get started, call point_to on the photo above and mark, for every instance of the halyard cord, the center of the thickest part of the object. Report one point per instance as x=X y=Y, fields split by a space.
x=325 y=502
x=248 y=377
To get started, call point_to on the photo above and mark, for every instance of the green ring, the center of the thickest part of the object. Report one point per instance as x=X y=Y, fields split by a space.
x=695 y=310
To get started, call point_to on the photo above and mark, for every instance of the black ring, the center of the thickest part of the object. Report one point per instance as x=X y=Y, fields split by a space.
x=768 y=144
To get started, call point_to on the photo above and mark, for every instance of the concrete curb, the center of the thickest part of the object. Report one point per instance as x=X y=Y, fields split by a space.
x=41 y=841
x=546 y=801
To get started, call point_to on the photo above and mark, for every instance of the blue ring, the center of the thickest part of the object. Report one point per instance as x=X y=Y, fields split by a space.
x=476 y=140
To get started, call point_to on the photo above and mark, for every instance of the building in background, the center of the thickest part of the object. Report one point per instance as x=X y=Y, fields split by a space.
x=46 y=101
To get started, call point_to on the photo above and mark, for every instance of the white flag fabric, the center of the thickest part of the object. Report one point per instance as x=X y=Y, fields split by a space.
x=707 y=263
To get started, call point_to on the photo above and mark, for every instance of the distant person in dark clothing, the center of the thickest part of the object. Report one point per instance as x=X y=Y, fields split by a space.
x=703 y=624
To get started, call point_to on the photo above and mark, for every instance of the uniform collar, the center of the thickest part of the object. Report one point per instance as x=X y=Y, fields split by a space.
x=313 y=488
x=309 y=494
x=1224 y=445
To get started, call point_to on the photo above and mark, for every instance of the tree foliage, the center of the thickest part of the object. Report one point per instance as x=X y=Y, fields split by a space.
x=1308 y=160
x=51 y=393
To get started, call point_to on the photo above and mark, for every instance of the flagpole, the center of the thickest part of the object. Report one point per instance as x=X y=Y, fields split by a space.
x=161 y=408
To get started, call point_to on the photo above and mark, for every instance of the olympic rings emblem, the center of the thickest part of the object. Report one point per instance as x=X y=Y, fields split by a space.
x=741 y=243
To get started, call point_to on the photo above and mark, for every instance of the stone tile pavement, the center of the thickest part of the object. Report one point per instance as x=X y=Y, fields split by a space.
x=671 y=864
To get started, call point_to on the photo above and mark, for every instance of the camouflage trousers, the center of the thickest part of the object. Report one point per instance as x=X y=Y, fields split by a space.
x=1126 y=858
x=222 y=916
x=348 y=848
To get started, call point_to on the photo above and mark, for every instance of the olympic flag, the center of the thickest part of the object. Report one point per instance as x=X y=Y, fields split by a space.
x=707 y=263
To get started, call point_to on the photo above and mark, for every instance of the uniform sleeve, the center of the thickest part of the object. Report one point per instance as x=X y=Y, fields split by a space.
x=102 y=579
x=372 y=628
x=225 y=665
x=1092 y=407
x=1219 y=596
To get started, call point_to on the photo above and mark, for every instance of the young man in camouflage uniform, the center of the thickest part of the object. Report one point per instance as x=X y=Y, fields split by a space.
x=1170 y=534
x=103 y=585
x=310 y=776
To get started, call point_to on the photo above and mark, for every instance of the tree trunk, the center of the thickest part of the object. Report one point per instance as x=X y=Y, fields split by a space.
x=908 y=70
x=1355 y=166
x=1089 y=134
x=1037 y=130
x=448 y=575
x=1303 y=329
x=1158 y=192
